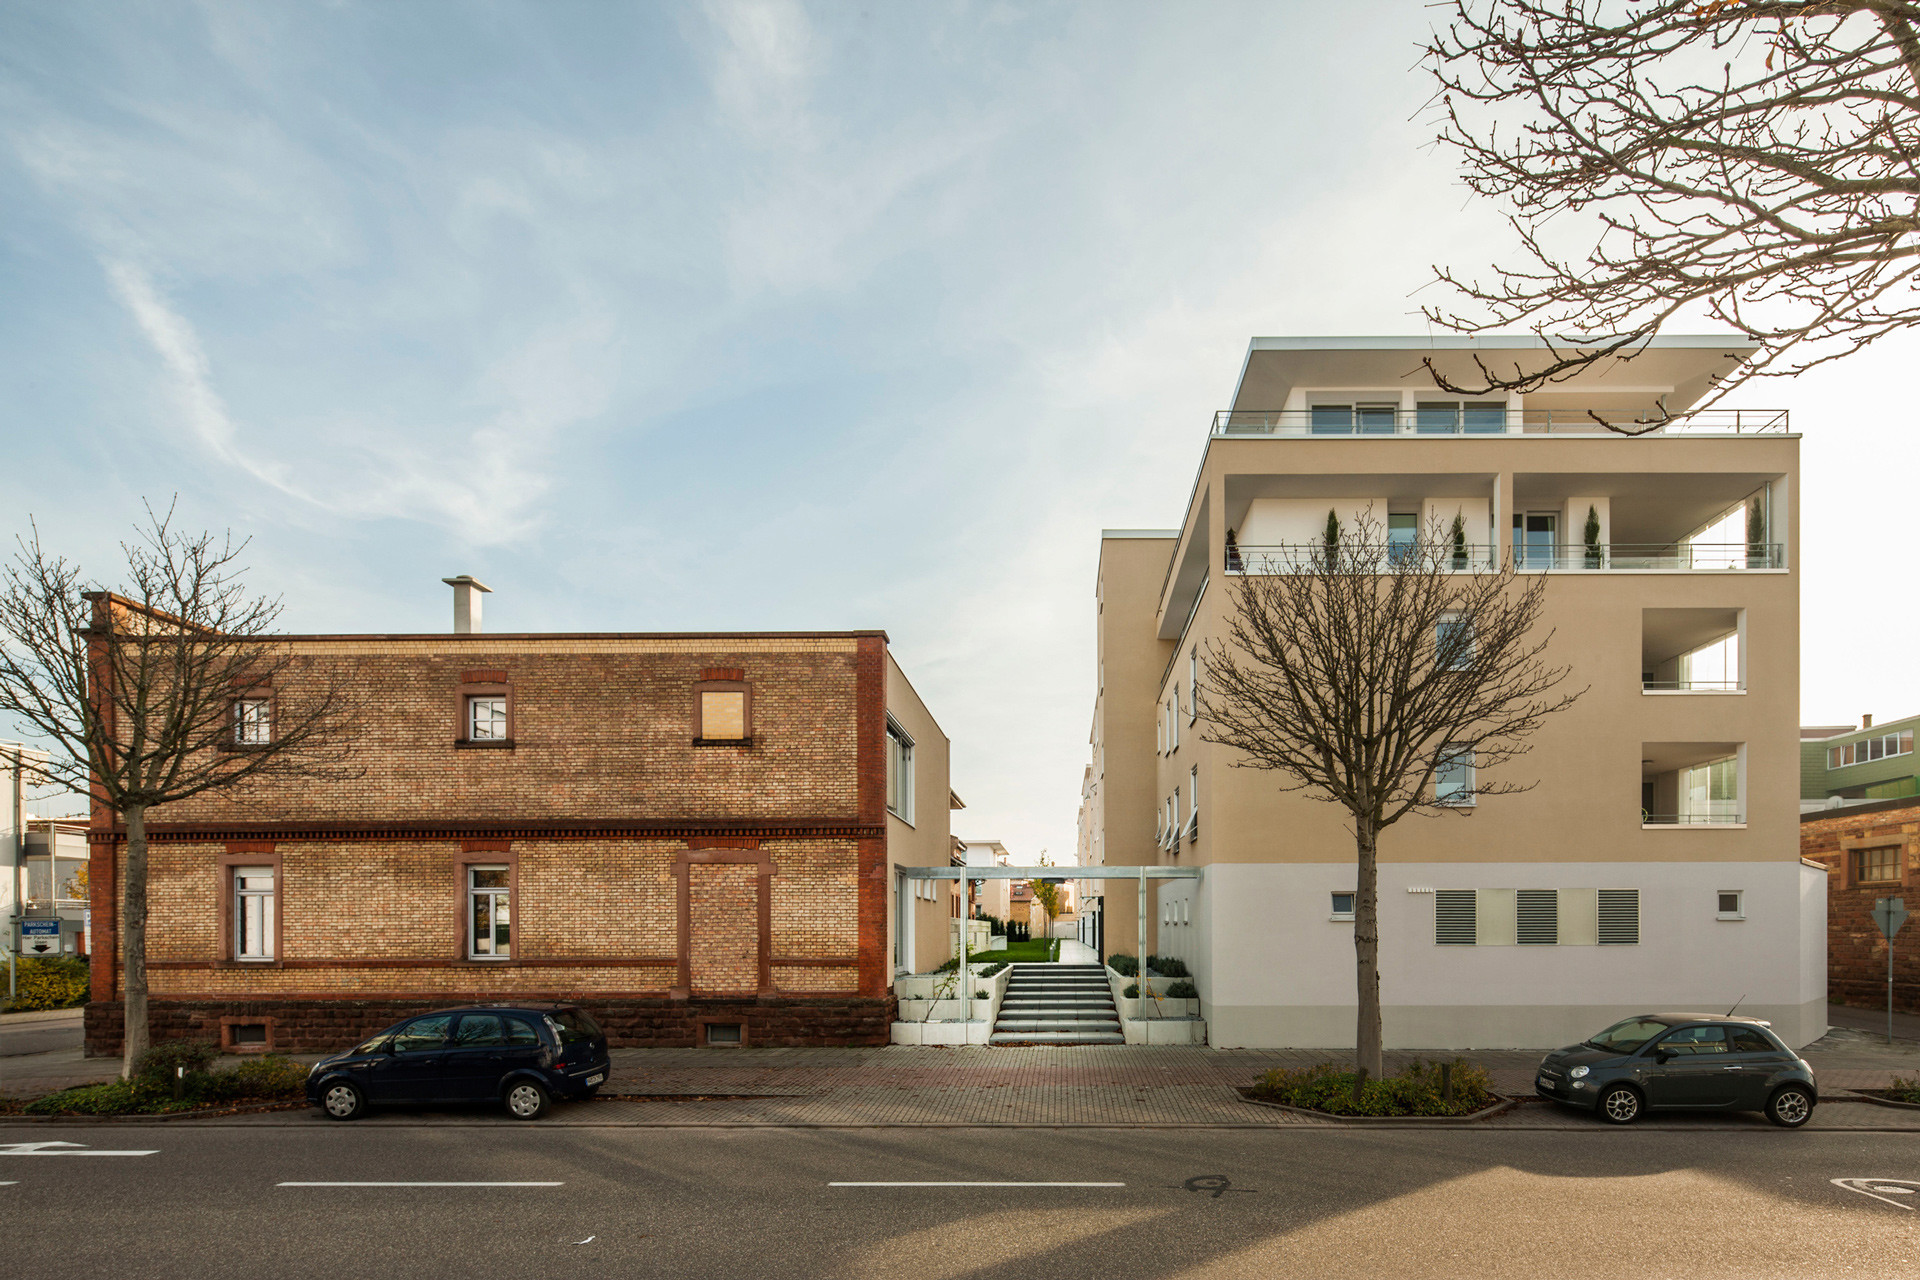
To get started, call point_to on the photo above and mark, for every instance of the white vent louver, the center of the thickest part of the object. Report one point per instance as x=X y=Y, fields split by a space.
x=1538 y=917
x=1619 y=917
x=1453 y=918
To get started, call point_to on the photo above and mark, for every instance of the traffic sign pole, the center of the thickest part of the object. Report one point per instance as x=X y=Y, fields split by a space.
x=1889 y=914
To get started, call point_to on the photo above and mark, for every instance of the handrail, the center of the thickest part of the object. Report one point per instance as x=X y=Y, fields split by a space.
x=1394 y=421
x=1479 y=557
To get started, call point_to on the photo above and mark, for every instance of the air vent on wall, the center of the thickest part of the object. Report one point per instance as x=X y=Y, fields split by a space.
x=1453 y=918
x=1619 y=917
x=1538 y=912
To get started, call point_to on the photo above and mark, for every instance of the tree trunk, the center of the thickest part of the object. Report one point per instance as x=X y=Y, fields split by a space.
x=133 y=940
x=1366 y=950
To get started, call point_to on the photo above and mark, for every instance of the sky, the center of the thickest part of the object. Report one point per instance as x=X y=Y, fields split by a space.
x=756 y=315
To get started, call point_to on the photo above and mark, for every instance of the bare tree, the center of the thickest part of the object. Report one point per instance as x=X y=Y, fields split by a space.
x=1755 y=161
x=1389 y=680
x=166 y=688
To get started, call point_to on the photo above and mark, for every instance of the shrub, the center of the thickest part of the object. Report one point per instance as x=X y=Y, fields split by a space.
x=263 y=1079
x=1183 y=991
x=50 y=982
x=1132 y=992
x=160 y=1062
x=109 y=1099
x=269 y=1076
x=992 y=969
x=1124 y=965
x=1903 y=1089
x=1414 y=1091
x=1168 y=967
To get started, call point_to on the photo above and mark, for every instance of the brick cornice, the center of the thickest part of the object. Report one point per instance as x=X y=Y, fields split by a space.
x=809 y=828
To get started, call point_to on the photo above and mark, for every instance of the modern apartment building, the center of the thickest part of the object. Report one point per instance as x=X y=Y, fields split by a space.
x=691 y=834
x=1872 y=762
x=1656 y=865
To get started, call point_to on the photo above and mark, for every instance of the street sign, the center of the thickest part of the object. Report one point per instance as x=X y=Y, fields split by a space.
x=1889 y=914
x=39 y=936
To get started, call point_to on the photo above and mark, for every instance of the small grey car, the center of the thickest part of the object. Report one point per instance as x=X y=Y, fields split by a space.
x=1682 y=1061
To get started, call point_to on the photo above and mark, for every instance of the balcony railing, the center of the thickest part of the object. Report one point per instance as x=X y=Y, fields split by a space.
x=1729 y=817
x=1692 y=686
x=1480 y=557
x=1387 y=421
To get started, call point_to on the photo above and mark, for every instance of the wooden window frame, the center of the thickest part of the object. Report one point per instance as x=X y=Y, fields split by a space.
x=485 y=853
x=743 y=687
x=228 y=1022
x=482 y=684
x=255 y=693
x=1855 y=850
x=251 y=854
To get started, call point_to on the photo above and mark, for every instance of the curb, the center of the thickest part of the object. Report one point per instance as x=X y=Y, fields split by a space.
x=1413 y=1122
x=26 y=1017
x=206 y=1113
x=1861 y=1095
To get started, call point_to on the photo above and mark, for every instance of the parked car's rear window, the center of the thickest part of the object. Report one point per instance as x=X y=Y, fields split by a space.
x=521 y=1033
x=575 y=1026
x=1625 y=1037
x=1752 y=1040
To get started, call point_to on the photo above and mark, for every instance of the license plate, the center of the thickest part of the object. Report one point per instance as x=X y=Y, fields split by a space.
x=1544 y=1083
x=596 y=1079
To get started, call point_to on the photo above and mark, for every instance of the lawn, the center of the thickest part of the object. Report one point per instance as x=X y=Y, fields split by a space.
x=1032 y=951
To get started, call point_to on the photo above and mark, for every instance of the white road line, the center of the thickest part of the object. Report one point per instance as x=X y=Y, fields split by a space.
x=1880 y=1188
x=61 y=1149
x=419 y=1184
x=976 y=1185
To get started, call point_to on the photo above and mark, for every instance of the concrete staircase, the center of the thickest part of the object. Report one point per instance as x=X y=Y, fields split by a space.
x=1057 y=1004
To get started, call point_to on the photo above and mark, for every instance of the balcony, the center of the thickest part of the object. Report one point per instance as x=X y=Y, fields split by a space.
x=1693 y=785
x=1488 y=420
x=1689 y=557
x=1691 y=651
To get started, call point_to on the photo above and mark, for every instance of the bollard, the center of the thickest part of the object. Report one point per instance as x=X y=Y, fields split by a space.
x=179 y=1083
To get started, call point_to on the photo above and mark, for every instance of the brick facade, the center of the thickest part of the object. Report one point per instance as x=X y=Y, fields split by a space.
x=1856 y=952
x=658 y=878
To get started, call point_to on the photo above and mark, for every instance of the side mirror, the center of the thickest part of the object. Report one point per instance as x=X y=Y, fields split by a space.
x=1663 y=1056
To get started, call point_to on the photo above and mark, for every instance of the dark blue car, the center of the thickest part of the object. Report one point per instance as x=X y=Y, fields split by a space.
x=520 y=1056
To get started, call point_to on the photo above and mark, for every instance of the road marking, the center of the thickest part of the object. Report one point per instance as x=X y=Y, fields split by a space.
x=1880 y=1188
x=61 y=1149
x=976 y=1184
x=419 y=1184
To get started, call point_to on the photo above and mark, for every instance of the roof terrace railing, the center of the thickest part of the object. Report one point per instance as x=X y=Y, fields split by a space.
x=1696 y=557
x=1493 y=420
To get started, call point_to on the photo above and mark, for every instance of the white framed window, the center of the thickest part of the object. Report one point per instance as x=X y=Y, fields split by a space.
x=1193 y=685
x=1193 y=793
x=1453 y=778
x=1453 y=642
x=1887 y=744
x=1173 y=721
x=487 y=718
x=252 y=721
x=1342 y=906
x=253 y=914
x=489 y=913
x=1731 y=904
x=899 y=772
x=1710 y=792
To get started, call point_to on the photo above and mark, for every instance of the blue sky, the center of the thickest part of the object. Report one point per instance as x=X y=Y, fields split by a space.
x=755 y=315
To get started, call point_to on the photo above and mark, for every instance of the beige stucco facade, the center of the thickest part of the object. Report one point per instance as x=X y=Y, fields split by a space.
x=919 y=835
x=1628 y=794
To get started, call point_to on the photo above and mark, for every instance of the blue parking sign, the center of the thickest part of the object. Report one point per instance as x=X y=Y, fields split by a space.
x=39 y=936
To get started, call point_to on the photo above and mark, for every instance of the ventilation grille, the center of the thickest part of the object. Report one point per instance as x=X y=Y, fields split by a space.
x=1619 y=917
x=1453 y=911
x=1538 y=917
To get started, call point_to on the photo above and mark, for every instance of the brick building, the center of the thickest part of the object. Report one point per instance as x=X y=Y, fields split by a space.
x=692 y=835
x=1871 y=850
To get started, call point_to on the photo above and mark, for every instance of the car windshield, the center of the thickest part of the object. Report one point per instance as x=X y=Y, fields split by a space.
x=376 y=1045
x=1625 y=1037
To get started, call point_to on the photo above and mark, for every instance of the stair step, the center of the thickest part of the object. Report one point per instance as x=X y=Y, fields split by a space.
x=1057 y=1037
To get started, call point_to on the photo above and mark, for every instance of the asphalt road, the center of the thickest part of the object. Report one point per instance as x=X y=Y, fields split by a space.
x=708 y=1203
x=20 y=1038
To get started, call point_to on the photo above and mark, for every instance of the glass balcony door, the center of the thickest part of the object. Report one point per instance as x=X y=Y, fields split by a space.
x=1534 y=538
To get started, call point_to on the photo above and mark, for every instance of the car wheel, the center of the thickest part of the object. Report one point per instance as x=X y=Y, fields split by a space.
x=526 y=1100
x=1620 y=1105
x=1790 y=1107
x=343 y=1101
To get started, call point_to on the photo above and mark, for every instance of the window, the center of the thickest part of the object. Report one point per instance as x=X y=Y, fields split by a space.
x=1888 y=744
x=1710 y=792
x=487 y=718
x=1173 y=722
x=899 y=772
x=253 y=913
x=1453 y=642
x=1751 y=1040
x=1445 y=417
x=1193 y=800
x=1193 y=685
x=1342 y=906
x=1694 y=1042
x=1619 y=924
x=1403 y=530
x=489 y=911
x=480 y=1031
x=1453 y=781
x=422 y=1034
x=520 y=1033
x=724 y=1033
x=1877 y=866
x=1537 y=917
x=1713 y=666
x=252 y=721
x=1454 y=914
x=1534 y=535
x=1342 y=419
x=1730 y=908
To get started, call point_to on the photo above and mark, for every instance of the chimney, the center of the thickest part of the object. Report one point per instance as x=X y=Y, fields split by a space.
x=1866 y=722
x=466 y=602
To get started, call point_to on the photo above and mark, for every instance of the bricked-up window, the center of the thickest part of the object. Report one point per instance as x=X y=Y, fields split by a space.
x=487 y=718
x=1876 y=866
x=252 y=721
x=723 y=706
x=489 y=913
x=253 y=914
x=899 y=771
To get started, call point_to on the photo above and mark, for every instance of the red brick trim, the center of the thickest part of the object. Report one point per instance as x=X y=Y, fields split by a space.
x=440 y=962
x=716 y=852
x=227 y=1025
x=723 y=673
x=870 y=763
x=806 y=828
x=816 y=962
x=486 y=675
x=249 y=853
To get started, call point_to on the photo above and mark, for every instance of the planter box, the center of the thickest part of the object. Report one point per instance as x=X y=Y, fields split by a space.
x=1164 y=1030
x=926 y=1021
x=947 y=1033
x=1157 y=1008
